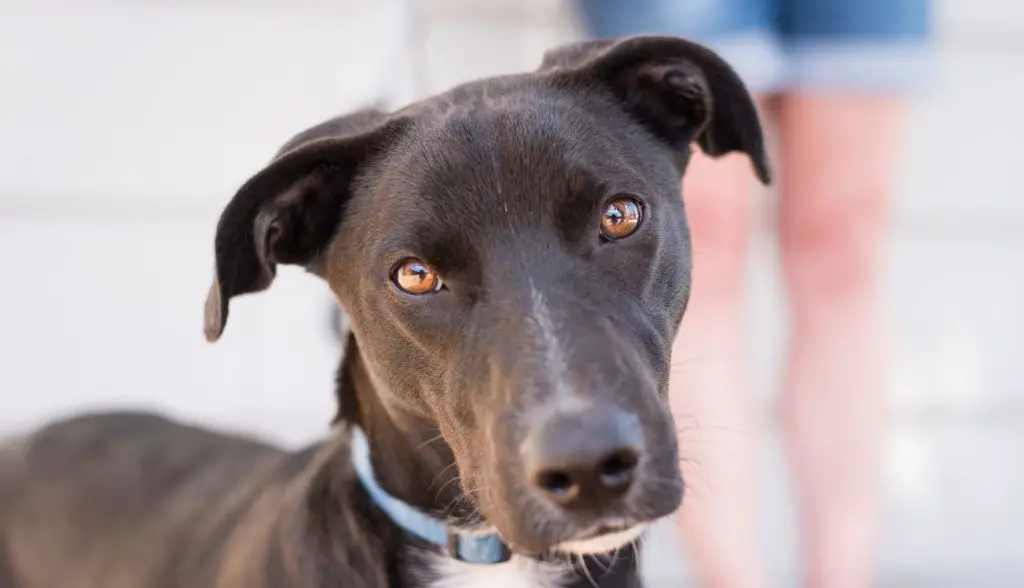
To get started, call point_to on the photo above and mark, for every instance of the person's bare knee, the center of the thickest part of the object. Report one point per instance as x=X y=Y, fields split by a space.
x=833 y=255
x=838 y=153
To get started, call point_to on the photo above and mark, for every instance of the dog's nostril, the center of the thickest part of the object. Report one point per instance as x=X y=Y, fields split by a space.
x=557 y=483
x=617 y=469
x=584 y=461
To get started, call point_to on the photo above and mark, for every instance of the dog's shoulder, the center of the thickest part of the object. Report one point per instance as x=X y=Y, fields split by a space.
x=124 y=482
x=150 y=444
x=125 y=468
x=313 y=524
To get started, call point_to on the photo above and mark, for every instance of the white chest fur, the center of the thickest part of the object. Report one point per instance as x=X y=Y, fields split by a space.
x=516 y=573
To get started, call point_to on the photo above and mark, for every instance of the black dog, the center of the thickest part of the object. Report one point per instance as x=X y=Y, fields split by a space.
x=514 y=260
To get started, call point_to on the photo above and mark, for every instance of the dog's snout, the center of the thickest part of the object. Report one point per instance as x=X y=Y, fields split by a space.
x=587 y=460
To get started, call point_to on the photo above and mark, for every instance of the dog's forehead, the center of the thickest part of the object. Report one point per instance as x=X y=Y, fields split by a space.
x=499 y=170
x=486 y=157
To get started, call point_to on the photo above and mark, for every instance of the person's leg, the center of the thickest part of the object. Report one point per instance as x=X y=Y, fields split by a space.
x=837 y=156
x=708 y=388
x=838 y=134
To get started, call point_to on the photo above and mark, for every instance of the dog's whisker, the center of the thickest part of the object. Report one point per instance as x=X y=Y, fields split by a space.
x=606 y=566
x=613 y=558
x=445 y=485
x=691 y=417
x=586 y=571
x=699 y=426
x=662 y=482
x=717 y=428
x=441 y=473
x=465 y=497
x=696 y=467
x=437 y=437
x=445 y=469
x=686 y=361
x=455 y=502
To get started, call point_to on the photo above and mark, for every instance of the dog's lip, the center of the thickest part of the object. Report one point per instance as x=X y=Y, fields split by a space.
x=602 y=530
x=607 y=528
x=604 y=537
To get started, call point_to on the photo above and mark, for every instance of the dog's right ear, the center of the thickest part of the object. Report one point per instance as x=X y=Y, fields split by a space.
x=681 y=91
x=290 y=210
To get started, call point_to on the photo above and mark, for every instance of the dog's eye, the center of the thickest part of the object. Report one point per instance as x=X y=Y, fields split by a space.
x=415 y=276
x=622 y=216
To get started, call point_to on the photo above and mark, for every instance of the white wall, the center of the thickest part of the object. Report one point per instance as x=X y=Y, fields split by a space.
x=150 y=105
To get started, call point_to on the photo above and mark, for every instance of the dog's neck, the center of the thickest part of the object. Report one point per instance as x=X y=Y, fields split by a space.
x=410 y=459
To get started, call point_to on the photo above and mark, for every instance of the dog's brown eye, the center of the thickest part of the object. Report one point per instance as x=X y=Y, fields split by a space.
x=622 y=216
x=415 y=276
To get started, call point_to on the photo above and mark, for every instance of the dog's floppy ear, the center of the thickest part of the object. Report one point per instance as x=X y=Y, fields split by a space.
x=289 y=211
x=680 y=90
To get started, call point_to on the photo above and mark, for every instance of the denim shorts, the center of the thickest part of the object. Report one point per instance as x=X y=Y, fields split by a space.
x=780 y=45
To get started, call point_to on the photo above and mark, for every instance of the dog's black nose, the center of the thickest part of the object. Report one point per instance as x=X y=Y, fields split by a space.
x=586 y=460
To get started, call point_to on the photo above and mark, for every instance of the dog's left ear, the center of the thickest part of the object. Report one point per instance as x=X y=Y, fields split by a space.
x=680 y=90
x=289 y=211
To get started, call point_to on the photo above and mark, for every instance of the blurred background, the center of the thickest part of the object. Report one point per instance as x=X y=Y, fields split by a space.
x=126 y=125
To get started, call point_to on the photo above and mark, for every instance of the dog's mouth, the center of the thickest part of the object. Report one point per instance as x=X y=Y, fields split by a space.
x=604 y=538
x=601 y=539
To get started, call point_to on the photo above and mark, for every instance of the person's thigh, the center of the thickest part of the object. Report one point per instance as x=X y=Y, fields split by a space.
x=851 y=64
x=742 y=31
x=876 y=46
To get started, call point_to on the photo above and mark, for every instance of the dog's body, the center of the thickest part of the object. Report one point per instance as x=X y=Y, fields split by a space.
x=145 y=501
x=513 y=259
x=126 y=500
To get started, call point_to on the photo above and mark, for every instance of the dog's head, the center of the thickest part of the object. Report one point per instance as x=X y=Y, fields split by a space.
x=514 y=260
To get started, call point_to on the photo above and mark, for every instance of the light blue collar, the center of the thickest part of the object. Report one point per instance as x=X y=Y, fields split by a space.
x=481 y=549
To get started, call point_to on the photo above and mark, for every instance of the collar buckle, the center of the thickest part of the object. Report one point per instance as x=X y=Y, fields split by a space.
x=453 y=544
